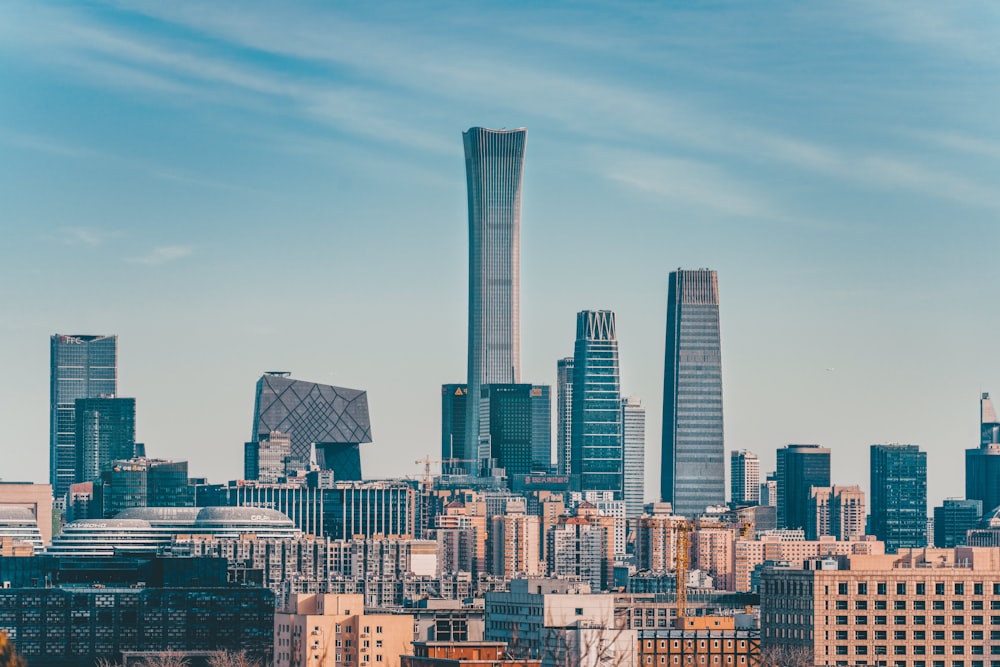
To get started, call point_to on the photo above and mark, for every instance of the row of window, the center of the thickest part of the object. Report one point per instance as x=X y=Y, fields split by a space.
x=919 y=587
x=956 y=649
x=956 y=605
x=915 y=620
x=918 y=635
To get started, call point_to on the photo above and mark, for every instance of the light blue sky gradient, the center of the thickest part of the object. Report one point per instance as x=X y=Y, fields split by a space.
x=234 y=187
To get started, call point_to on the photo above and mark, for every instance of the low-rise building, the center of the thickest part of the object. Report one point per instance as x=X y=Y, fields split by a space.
x=463 y=654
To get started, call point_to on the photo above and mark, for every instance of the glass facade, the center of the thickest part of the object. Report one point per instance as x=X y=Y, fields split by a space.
x=453 y=414
x=142 y=482
x=334 y=419
x=105 y=431
x=953 y=519
x=899 y=496
x=744 y=478
x=982 y=464
x=693 y=473
x=516 y=427
x=800 y=467
x=634 y=453
x=596 y=459
x=564 y=415
x=494 y=162
x=81 y=367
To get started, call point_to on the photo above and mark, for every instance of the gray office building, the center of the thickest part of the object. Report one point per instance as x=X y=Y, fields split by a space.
x=634 y=455
x=800 y=467
x=899 y=496
x=105 y=431
x=693 y=472
x=982 y=464
x=953 y=519
x=564 y=415
x=81 y=367
x=334 y=420
x=494 y=161
x=596 y=459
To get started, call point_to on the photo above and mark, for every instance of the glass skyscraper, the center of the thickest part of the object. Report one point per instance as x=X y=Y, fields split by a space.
x=744 y=478
x=899 y=496
x=564 y=415
x=494 y=161
x=693 y=472
x=596 y=459
x=633 y=455
x=453 y=414
x=982 y=464
x=105 y=431
x=515 y=428
x=800 y=467
x=81 y=367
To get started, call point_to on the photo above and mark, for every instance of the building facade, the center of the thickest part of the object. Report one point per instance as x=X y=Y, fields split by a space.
x=454 y=412
x=744 y=478
x=564 y=415
x=634 y=455
x=953 y=519
x=494 y=163
x=982 y=464
x=81 y=367
x=515 y=429
x=333 y=421
x=800 y=467
x=899 y=496
x=693 y=474
x=105 y=431
x=836 y=510
x=596 y=458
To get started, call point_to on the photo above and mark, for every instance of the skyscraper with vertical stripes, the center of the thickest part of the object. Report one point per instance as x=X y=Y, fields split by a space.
x=564 y=415
x=494 y=161
x=693 y=472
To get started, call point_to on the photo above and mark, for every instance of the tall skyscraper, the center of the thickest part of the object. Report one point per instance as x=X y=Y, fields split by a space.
x=693 y=472
x=596 y=457
x=515 y=427
x=453 y=414
x=634 y=455
x=494 y=161
x=800 y=467
x=982 y=464
x=105 y=431
x=564 y=415
x=81 y=367
x=744 y=477
x=334 y=420
x=899 y=496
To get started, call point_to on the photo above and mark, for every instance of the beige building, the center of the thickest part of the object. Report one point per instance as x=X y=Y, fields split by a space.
x=917 y=608
x=713 y=551
x=838 y=511
x=515 y=544
x=328 y=630
x=751 y=553
x=35 y=497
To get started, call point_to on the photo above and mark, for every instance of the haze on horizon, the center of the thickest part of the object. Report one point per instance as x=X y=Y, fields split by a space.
x=240 y=187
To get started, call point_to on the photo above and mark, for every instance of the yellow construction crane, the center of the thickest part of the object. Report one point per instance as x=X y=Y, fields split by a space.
x=683 y=528
x=427 y=461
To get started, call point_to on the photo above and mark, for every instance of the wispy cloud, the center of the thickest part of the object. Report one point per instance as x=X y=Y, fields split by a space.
x=78 y=236
x=162 y=255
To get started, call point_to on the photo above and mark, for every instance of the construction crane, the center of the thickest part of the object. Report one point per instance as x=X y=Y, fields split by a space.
x=683 y=528
x=427 y=461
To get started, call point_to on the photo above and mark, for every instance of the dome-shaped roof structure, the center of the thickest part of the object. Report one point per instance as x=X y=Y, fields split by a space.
x=251 y=515
x=991 y=519
x=161 y=514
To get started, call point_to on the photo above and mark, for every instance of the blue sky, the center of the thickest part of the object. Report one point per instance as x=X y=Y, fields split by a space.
x=234 y=187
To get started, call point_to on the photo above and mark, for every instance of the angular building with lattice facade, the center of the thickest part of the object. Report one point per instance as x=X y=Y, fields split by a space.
x=334 y=420
x=693 y=473
x=494 y=162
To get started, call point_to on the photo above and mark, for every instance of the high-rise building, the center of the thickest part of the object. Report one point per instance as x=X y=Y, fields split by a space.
x=693 y=473
x=836 y=510
x=267 y=459
x=800 y=467
x=453 y=414
x=515 y=427
x=953 y=519
x=596 y=458
x=769 y=490
x=982 y=464
x=634 y=455
x=564 y=415
x=142 y=482
x=334 y=420
x=494 y=161
x=105 y=431
x=81 y=367
x=899 y=496
x=744 y=477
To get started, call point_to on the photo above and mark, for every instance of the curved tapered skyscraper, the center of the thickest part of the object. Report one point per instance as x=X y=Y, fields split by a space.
x=494 y=162
x=693 y=473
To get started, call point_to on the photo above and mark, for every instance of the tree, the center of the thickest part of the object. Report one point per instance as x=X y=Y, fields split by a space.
x=232 y=659
x=9 y=657
x=168 y=659
x=786 y=655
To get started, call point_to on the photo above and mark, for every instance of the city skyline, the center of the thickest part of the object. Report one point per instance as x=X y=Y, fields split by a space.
x=171 y=158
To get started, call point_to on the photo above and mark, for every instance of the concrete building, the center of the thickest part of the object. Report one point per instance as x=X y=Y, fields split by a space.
x=461 y=654
x=37 y=498
x=916 y=608
x=836 y=510
x=577 y=549
x=656 y=542
x=744 y=477
x=514 y=543
x=266 y=459
x=606 y=505
x=709 y=641
x=752 y=554
x=713 y=552
x=333 y=630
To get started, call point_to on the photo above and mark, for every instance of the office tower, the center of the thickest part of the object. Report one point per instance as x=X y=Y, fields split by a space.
x=105 y=431
x=564 y=415
x=836 y=510
x=334 y=420
x=81 y=367
x=142 y=482
x=744 y=477
x=800 y=467
x=634 y=455
x=982 y=465
x=515 y=423
x=453 y=414
x=899 y=496
x=596 y=457
x=494 y=160
x=266 y=460
x=769 y=490
x=541 y=429
x=693 y=473
x=953 y=519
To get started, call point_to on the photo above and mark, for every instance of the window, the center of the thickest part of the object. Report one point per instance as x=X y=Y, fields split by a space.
x=937 y=635
x=899 y=620
x=861 y=650
x=937 y=604
x=880 y=634
x=977 y=620
x=841 y=650
x=958 y=649
x=939 y=588
x=841 y=604
x=937 y=650
x=920 y=604
x=957 y=604
x=841 y=634
x=958 y=620
x=880 y=620
x=959 y=588
x=899 y=604
x=938 y=620
x=860 y=620
x=579 y=611
x=977 y=588
x=841 y=620
x=862 y=588
x=842 y=589
x=919 y=620
x=919 y=635
x=977 y=604
x=919 y=649
x=861 y=604
x=977 y=635
x=860 y=635
x=921 y=588
x=378 y=629
x=901 y=588
x=880 y=588
x=958 y=635
x=899 y=634
x=996 y=589
x=899 y=650
x=880 y=604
